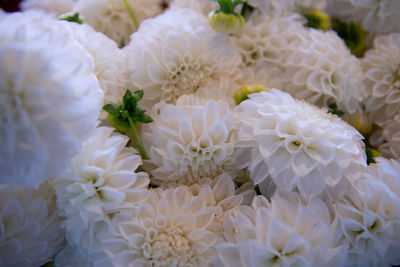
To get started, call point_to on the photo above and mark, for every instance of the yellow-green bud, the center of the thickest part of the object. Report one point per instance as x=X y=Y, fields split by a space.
x=353 y=35
x=225 y=21
x=359 y=121
x=122 y=126
x=245 y=90
x=318 y=19
x=72 y=17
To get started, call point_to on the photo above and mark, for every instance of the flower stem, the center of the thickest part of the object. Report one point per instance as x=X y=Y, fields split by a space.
x=131 y=14
x=137 y=138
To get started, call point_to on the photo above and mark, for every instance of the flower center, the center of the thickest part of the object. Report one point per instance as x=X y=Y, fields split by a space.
x=172 y=246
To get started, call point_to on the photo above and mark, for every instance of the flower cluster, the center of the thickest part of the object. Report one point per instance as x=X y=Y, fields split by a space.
x=200 y=133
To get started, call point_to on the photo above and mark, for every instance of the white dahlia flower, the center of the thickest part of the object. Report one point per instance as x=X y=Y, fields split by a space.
x=70 y=257
x=101 y=182
x=278 y=7
x=177 y=53
x=109 y=61
x=190 y=140
x=382 y=77
x=111 y=17
x=297 y=144
x=31 y=231
x=390 y=133
x=322 y=71
x=203 y=6
x=369 y=218
x=52 y=7
x=286 y=232
x=49 y=98
x=170 y=229
x=265 y=74
x=266 y=38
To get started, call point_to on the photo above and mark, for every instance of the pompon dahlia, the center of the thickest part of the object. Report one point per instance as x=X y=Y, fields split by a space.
x=110 y=66
x=286 y=232
x=170 y=229
x=266 y=38
x=51 y=7
x=111 y=17
x=31 y=231
x=322 y=71
x=390 y=135
x=49 y=98
x=190 y=140
x=69 y=256
x=177 y=53
x=278 y=7
x=101 y=182
x=382 y=76
x=203 y=6
x=297 y=144
x=369 y=216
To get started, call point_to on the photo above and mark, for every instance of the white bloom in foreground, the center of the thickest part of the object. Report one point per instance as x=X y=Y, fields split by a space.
x=203 y=6
x=70 y=257
x=49 y=98
x=322 y=71
x=53 y=7
x=268 y=39
x=170 y=229
x=285 y=232
x=297 y=144
x=177 y=53
x=111 y=17
x=31 y=231
x=109 y=61
x=382 y=72
x=370 y=216
x=190 y=140
x=101 y=182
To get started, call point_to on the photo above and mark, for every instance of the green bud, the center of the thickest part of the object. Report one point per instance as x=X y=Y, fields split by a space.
x=359 y=121
x=353 y=35
x=119 y=123
x=245 y=90
x=225 y=21
x=72 y=17
x=318 y=19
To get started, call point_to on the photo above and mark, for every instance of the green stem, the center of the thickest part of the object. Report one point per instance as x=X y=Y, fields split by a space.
x=131 y=14
x=137 y=138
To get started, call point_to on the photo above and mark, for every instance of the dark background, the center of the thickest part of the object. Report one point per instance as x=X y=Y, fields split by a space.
x=10 y=5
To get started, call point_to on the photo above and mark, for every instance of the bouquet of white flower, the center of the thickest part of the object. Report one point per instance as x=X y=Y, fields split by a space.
x=200 y=133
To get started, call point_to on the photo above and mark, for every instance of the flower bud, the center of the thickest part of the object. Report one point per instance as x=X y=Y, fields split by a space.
x=229 y=22
x=118 y=123
x=318 y=19
x=245 y=90
x=359 y=121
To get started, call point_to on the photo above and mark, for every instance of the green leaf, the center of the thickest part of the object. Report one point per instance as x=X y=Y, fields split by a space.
x=139 y=112
x=72 y=18
x=113 y=109
x=333 y=109
x=138 y=95
x=145 y=119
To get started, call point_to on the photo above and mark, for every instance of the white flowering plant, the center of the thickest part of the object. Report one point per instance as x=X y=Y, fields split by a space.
x=200 y=133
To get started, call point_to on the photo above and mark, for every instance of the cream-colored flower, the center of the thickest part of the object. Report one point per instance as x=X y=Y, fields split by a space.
x=322 y=71
x=203 y=6
x=390 y=135
x=190 y=140
x=369 y=216
x=31 y=231
x=275 y=7
x=49 y=98
x=286 y=232
x=170 y=229
x=52 y=7
x=102 y=181
x=177 y=53
x=382 y=77
x=299 y=145
x=111 y=17
x=266 y=38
